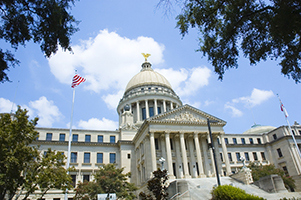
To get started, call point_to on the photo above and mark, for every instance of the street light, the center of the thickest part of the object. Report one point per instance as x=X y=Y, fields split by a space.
x=213 y=151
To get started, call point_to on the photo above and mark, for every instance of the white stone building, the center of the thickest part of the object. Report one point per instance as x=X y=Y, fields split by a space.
x=154 y=124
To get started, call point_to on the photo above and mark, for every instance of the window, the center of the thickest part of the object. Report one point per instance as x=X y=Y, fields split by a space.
x=143 y=114
x=86 y=177
x=226 y=141
x=156 y=143
x=48 y=136
x=234 y=140
x=73 y=177
x=112 y=157
x=73 y=157
x=230 y=157
x=74 y=138
x=293 y=132
x=129 y=156
x=237 y=156
x=251 y=140
x=62 y=137
x=258 y=140
x=262 y=155
x=299 y=132
x=151 y=111
x=171 y=144
x=243 y=141
x=99 y=158
x=100 y=138
x=279 y=153
x=112 y=139
x=285 y=170
x=274 y=136
x=142 y=89
x=87 y=138
x=218 y=141
x=86 y=157
x=159 y=110
x=247 y=156
x=222 y=158
x=255 y=156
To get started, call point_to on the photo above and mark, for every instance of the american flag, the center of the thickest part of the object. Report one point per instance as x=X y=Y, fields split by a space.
x=77 y=80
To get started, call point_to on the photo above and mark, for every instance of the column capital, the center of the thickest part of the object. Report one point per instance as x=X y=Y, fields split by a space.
x=167 y=132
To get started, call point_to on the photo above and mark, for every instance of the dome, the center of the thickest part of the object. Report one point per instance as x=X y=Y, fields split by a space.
x=147 y=76
x=259 y=129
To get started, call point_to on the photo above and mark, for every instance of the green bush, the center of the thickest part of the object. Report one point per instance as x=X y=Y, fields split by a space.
x=228 y=192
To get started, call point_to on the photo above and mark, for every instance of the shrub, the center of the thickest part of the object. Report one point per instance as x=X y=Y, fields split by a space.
x=228 y=192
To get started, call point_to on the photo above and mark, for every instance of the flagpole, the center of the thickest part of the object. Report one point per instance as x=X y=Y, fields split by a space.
x=69 y=142
x=289 y=127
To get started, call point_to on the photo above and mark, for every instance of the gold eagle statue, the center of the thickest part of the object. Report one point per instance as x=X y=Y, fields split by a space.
x=145 y=55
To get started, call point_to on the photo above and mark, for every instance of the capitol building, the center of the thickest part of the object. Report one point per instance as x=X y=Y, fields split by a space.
x=153 y=123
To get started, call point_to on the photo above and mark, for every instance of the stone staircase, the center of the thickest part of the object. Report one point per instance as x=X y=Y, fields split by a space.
x=195 y=189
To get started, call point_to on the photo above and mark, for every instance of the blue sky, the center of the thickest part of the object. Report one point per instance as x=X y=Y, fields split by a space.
x=107 y=52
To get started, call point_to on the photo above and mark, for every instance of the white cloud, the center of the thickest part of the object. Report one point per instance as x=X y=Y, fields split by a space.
x=187 y=82
x=47 y=112
x=234 y=111
x=106 y=61
x=97 y=124
x=257 y=97
x=112 y=100
x=6 y=106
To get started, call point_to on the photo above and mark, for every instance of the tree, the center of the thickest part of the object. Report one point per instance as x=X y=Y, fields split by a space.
x=261 y=29
x=21 y=164
x=259 y=171
x=108 y=179
x=157 y=186
x=46 y=22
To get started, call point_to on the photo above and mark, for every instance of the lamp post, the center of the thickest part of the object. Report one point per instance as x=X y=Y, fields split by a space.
x=213 y=150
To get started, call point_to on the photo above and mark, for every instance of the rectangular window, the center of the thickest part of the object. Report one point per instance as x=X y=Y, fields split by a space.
x=151 y=111
x=218 y=141
x=100 y=138
x=247 y=156
x=237 y=156
x=129 y=156
x=255 y=156
x=230 y=157
x=274 y=136
x=171 y=144
x=243 y=141
x=112 y=139
x=262 y=155
x=86 y=178
x=285 y=170
x=226 y=141
x=279 y=153
x=222 y=158
x=293 y=132
x=75 y=138
x=299 y=132
x=234 y=140
x=112 y=157
x=156 y=144
x=99 y=158
x=62 y=137
x=86 y=157
x=48 y=136
x=159 y=110
x=87 y=138
x=251 y=140
x=73 y=157
x=73 y=177
x=258 y=140
x=143 y=114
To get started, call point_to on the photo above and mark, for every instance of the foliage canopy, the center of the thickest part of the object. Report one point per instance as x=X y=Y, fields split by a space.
x=108 y=179
x=261 y=29
x=46 y=22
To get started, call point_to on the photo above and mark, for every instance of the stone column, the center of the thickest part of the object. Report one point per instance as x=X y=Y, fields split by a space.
x=138 y=111
x=206 y=150
x=179 y=159
x=156 y=107
x=163 y=149
x=153 y=151
x=171 y=105
x=146 y=109
x=193 y=168
x=184 y=156
x=199 y=155
x=164 y=105
x=225 y=152
x=169 y=156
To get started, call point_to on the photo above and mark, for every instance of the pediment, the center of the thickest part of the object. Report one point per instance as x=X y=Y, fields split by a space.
x=185 y=114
